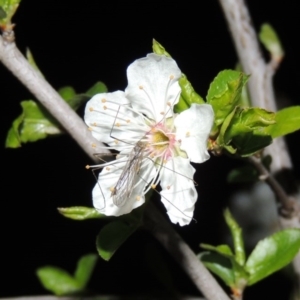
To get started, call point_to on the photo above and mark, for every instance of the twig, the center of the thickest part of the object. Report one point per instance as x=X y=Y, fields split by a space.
x=182 y=253
x=288 y=206
x=13 y=59
x=260 y=84
x=50 y=99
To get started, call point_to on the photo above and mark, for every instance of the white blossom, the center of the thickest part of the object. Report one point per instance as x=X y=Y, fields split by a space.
x=155 y=145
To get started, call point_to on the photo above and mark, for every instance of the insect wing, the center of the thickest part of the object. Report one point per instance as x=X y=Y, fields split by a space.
x=125 y=184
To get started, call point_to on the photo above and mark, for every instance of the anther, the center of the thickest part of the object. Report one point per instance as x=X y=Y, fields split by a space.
x=128 y=121
x=187 y=134
x=118 y=124
x=103 y=100
x=153 y=186
x=94 y=145
x=162 y=112
x=94 y=124
x=171 y=77
x=169 y=103
x=87 y=167
x=141 y=87
x=107 y=168
x=104 y=107
x=90 y=129
x=116 y=141
x=138 y=198
x=91 y=108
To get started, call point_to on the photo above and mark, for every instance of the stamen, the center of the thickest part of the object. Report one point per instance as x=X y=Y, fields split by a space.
x=107 y=168
x=103 y=100
x=141 y=87
x=87 y=167
x=171 y=77
x=104 y=107
x=118 y=124
x=94 y=146
x=94 y=124
x=90 y=129
x=91 y=109
x=187 y=134
x=153 y=186
x=138 y=198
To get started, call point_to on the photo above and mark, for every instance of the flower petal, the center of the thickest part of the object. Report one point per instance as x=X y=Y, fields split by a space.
x=111 y=120
x=178 y=190
x=192 y=128
x=108 y=178
x=153 y=87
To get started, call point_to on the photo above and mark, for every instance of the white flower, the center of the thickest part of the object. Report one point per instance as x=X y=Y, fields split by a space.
x=155 y=144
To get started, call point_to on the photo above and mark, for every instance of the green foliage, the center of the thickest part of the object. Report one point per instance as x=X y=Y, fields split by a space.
x=269 y=256
x=243 y=174
x=236 y=233
x=35 y=123
x=114 y=234
x=188 y=94
x=80 y=213
x=224 y=93
x=61 y=283
x=243 y=130
x=7 y=10
x=287 y=121
x=271 y=41
x=272 y=254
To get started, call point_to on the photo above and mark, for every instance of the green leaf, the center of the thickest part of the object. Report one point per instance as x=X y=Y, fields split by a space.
x=271 y=41
x=287 y=121
x=85 y=268
x=159 y=49
x=224 y=93
x=243 y=174
x=236 y=233
x=220 y=266
x=188 y=94
x=7 y=10
x=272 y=254
x=112 y=236
x=33 y=124
x=58 y=281
x=13 y=139
x=80 y=213
x=98 y=88
x=221 y=249
x=67 y=93
x=32 y=62
x=246 y=131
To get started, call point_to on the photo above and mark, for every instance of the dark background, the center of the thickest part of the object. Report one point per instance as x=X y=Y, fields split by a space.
x=77 y=44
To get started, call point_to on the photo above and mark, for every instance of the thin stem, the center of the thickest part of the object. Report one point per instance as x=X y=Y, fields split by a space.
x=260 y=83
x=13 y=59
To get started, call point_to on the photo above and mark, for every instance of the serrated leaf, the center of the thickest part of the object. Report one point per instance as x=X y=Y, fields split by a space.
x=58 y=281
x=85 y=268
x=224 y=93
x=220 y=266
x=271 y=41
x=287 y=121
x=33 y=124
x=236 y=233
x=112 y=236
x=80 y=213
x=272 y=254
x=246 y=131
